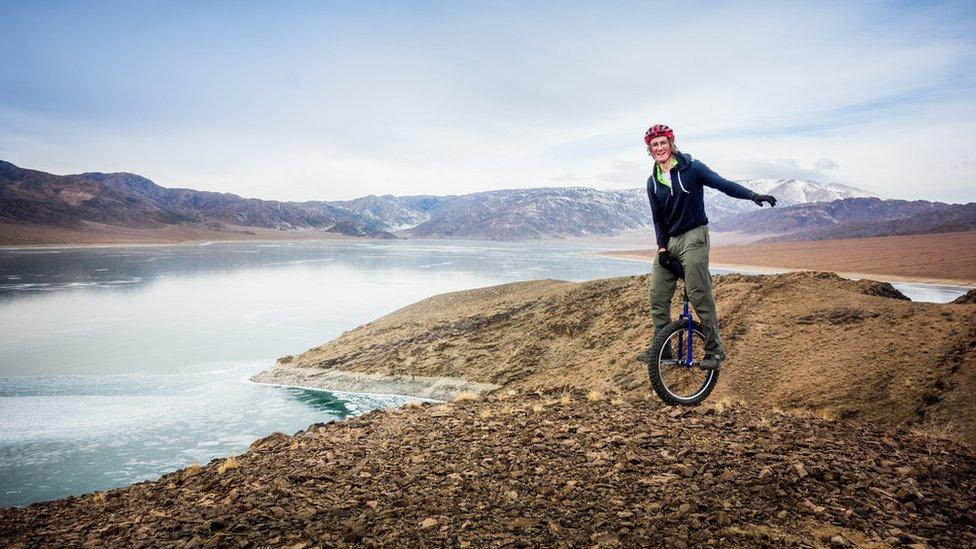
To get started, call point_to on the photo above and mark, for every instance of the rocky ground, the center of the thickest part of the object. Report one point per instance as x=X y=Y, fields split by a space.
x=806 y=342
x=556 y=471
x=968 y=298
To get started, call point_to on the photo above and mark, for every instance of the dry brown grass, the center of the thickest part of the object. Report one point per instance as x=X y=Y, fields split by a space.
x=827 y=413
x=941 y=432
x=595 y=395
x=505 y=395
x=464 y=397
x=191 y=470
x=725 y=402
x=98 y=497
x=227 y=465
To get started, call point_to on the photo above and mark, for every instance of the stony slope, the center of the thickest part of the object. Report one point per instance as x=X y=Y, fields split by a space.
x=527 y=472
x=798 y=341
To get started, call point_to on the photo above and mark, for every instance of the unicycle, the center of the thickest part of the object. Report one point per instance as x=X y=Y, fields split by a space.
x=675 y=355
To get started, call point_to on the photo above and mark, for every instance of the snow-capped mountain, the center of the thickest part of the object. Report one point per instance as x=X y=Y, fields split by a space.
x=788 y=192
x=396 y=213
x=536 y=213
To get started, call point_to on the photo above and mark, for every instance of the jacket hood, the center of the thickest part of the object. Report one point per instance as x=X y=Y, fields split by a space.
x=684 y=160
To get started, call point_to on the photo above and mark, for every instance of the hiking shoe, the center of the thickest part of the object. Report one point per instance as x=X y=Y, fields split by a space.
x=711 y=362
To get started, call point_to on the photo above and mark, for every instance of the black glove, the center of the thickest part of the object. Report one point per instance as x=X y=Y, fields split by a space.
x=665 y=259
x=670 y=263
x=760 y=198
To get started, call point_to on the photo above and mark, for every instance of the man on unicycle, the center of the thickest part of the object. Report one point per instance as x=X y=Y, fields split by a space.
x=675 y=190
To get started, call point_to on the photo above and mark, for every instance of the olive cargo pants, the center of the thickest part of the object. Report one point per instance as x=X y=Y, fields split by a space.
x=691 y=249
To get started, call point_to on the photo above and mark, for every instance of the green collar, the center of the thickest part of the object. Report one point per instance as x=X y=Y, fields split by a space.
x=659 y=174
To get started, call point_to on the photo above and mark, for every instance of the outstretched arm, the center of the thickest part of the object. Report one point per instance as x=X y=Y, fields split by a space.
x=733 y=189
x=717 y=182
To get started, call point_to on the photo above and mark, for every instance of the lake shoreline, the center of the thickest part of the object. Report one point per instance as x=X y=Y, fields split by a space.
x=326 y=379
x=103 y=239
x=182 y=243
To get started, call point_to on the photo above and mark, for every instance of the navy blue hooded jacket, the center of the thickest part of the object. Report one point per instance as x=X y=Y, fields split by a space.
x=682 y=207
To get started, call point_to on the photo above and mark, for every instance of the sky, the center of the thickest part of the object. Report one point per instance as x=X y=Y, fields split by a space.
x=335 y=100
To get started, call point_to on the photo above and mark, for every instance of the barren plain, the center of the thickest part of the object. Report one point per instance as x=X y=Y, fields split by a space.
x=948 y=258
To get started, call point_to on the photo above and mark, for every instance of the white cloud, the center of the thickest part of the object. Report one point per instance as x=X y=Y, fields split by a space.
x=784 y=168
x=824 y=165
x=457 y=99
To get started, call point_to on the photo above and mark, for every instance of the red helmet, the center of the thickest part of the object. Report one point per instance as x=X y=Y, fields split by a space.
x=657 y=130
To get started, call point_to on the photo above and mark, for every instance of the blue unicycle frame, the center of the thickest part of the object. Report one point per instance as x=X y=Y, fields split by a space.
x=686 y=316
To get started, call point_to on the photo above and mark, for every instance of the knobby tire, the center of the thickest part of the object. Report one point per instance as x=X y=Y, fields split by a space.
x=701 y=381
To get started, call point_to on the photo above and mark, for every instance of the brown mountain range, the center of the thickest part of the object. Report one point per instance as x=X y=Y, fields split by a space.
x=41 y=208
x=31 y=198
x=853 y=218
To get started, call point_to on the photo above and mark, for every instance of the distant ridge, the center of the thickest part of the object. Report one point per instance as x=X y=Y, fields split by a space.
x=32 y=200
x=132 y=201
x=854 y=218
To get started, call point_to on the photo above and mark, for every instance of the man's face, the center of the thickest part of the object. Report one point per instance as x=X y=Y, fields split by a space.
x=660 y=149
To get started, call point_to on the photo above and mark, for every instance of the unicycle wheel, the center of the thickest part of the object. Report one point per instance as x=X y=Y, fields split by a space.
x=672 y=378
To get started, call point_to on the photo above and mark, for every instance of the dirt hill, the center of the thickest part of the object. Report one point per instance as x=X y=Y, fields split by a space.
x=800 y=341
x=967 y=299
x=560 y=473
